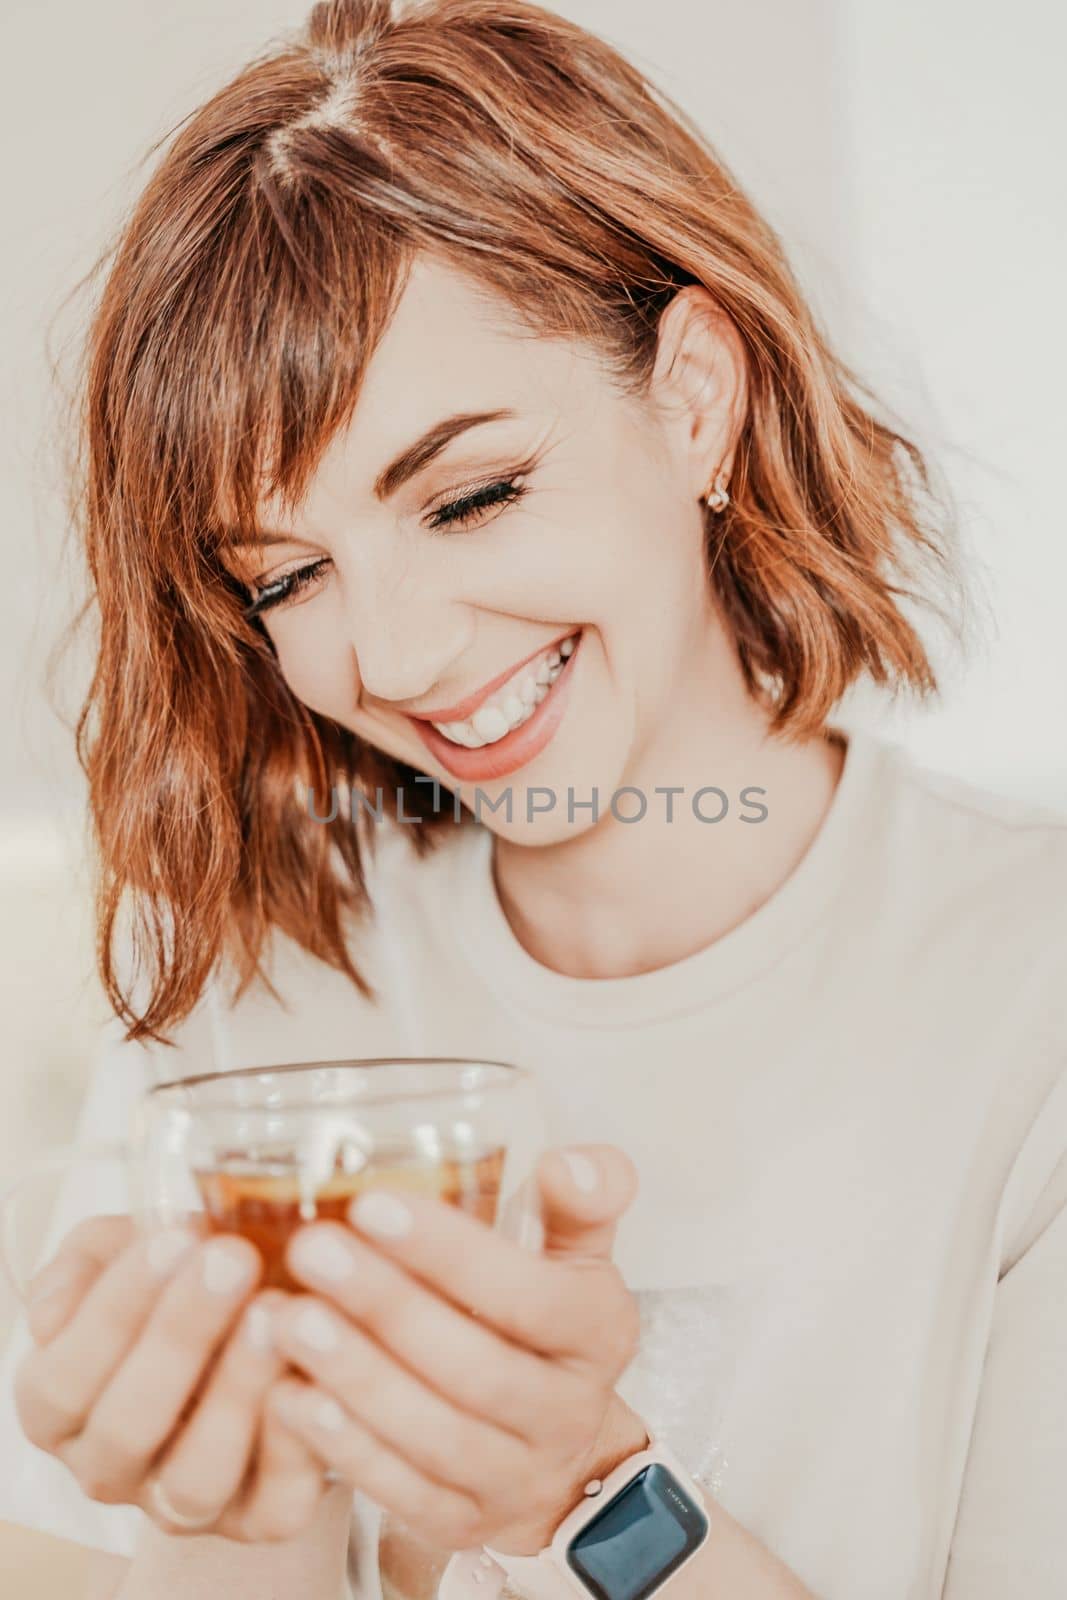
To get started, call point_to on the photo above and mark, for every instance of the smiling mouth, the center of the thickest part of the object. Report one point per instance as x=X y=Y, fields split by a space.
x=514 y=702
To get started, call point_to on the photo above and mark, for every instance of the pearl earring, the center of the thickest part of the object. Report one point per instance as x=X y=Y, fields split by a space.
x=716 y=498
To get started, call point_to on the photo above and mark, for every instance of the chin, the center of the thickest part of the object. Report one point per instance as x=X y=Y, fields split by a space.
x=531 y=788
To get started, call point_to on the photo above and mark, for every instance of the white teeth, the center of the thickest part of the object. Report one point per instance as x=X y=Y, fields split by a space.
x=491 y=722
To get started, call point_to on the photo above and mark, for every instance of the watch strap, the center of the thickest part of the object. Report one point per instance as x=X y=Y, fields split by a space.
x=483 y=1573
x=472 y=1575
x=477 y=1575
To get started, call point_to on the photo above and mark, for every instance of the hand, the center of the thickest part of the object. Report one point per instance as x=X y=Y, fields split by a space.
x=152 y=1362
x=460 y=1381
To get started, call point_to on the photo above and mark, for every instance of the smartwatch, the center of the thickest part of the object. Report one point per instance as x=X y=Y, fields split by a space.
x=624 y=1540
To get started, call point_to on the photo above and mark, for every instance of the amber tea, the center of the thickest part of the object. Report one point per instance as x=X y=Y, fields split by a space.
x=266 y=1201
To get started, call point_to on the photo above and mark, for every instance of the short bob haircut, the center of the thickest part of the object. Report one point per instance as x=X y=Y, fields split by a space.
x=240 y=307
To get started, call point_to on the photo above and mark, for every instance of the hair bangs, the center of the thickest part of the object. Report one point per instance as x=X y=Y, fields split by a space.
x=304 y=284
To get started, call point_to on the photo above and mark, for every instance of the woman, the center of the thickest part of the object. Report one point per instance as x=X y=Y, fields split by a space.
x=457 y=440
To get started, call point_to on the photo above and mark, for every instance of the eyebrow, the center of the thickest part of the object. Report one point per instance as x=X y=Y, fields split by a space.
x=410 y=461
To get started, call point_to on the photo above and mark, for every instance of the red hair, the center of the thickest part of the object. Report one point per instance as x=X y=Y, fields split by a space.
x=248 y=290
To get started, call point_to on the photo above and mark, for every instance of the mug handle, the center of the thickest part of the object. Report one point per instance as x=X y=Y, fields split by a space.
x=60 y=1159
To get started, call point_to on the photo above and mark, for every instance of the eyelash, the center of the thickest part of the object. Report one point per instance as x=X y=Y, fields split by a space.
x=501 y=492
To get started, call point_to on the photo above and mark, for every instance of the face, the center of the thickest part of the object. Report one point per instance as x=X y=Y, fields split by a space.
x=497 y=574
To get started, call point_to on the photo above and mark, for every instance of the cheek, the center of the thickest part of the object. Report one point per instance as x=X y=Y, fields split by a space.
x=634 y=558
x=320 y=671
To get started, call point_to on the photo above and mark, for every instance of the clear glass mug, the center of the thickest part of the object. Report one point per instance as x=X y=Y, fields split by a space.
x=260 y=1150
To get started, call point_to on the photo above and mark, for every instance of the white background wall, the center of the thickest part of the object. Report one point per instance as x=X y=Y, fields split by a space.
x=911 y=155
x=957 y=122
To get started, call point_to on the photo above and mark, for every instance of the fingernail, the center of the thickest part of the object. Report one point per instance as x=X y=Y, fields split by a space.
x=223 y=1270
x=259 y=1327
x=321 y=1255
x=381 y=1213
x=316 y=1328
x=166 y=1248
x=583 y=1171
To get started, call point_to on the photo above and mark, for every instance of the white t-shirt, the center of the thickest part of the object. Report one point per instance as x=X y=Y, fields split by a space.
x=849 y=1118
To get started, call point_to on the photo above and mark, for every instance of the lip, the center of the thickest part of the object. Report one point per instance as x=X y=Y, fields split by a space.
x=516 y=748
x=466 y=708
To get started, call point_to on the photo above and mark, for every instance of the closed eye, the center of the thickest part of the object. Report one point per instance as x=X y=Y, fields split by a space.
x=285 y=588
x=453 y=513
x=502 y=492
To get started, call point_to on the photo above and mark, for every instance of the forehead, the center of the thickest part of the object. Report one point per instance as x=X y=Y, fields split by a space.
x=443 y=314
x=452 y=345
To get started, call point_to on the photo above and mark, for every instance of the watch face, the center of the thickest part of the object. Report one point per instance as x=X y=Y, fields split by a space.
x=640 y=1537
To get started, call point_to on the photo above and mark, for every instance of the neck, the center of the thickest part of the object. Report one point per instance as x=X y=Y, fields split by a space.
x=617 y=899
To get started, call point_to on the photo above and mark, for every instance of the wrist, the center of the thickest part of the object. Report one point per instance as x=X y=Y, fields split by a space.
x=635 y=1519
x=622 y=1434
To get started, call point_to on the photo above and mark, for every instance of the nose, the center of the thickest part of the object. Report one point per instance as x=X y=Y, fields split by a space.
x=405 y=642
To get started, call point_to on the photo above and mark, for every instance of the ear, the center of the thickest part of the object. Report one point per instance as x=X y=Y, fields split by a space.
x=700 y=384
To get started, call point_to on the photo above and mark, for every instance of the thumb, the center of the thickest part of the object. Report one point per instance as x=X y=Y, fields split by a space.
x=584 y=1191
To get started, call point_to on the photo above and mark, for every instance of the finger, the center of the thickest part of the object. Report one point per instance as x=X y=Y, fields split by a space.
x=447 y=1516
x=58 y=1385
x=54 y=1293
x=480 y=1370
x=102 y=1238
x=585 y=1189
x=205 y=1467
x=408 y=1415
x=144 y=1401
x=57 y=1292
x=284 y=1489
x=553 y=1306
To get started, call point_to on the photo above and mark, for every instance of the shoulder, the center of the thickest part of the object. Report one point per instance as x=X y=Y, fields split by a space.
x=958 y=843
x=974 y=882
x=956 y=799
